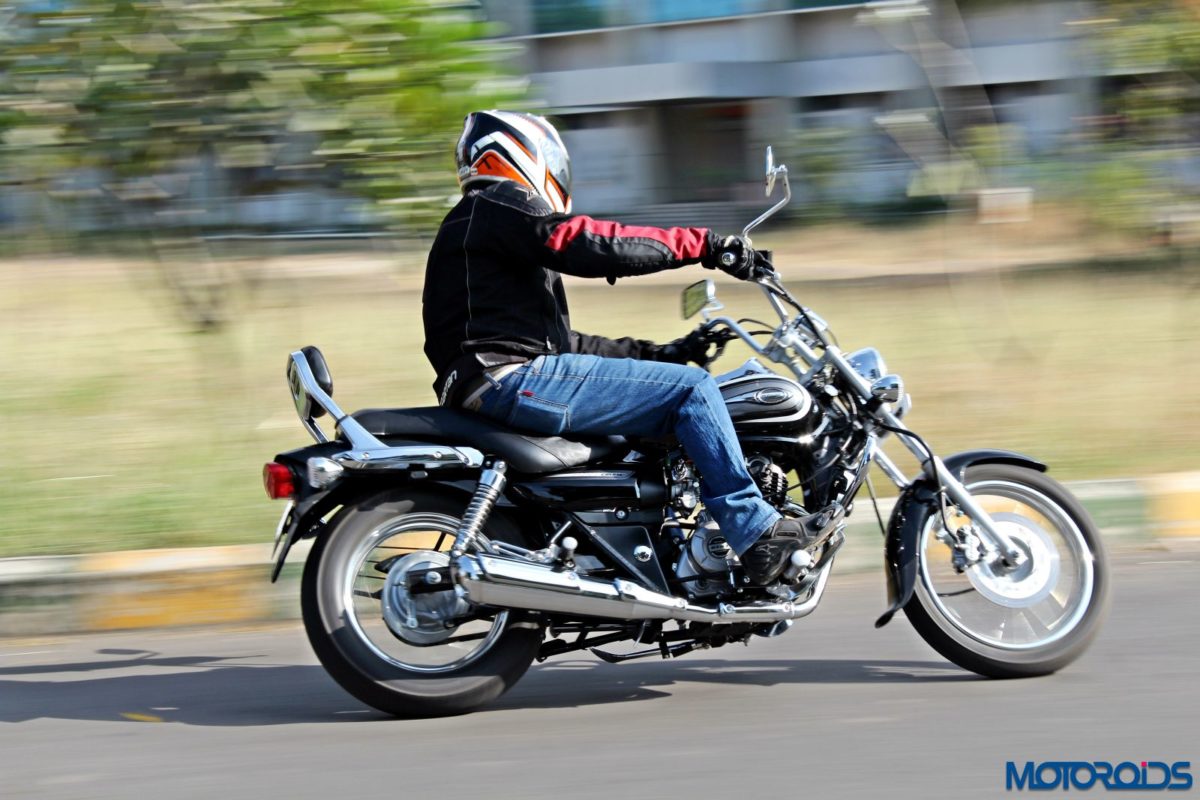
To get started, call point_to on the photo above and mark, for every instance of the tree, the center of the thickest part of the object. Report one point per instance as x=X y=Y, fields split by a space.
x=1156 y=45
x=367 y=98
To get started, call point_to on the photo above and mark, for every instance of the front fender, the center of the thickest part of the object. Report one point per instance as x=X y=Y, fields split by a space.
x=913 y=508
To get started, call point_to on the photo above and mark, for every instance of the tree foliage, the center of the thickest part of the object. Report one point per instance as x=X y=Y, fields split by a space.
x=365 y=97
x=1153 y=47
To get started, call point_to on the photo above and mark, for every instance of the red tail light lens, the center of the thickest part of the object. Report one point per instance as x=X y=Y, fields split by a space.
x=278 y=480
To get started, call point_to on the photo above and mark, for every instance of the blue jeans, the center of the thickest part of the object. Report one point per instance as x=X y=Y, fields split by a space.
x=583 y=395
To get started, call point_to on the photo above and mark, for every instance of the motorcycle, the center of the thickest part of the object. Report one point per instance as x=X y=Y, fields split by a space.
x=451 y=552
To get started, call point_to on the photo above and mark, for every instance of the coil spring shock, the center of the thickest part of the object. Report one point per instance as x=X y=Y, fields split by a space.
x=491 y=483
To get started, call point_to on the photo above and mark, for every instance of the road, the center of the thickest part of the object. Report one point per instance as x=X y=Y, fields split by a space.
x=832 y=709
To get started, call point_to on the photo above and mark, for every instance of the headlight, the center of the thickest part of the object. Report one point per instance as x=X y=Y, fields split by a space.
x=868 y=363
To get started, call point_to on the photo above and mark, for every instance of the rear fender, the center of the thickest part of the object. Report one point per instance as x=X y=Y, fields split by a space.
x=913 y=509
x=305 y=518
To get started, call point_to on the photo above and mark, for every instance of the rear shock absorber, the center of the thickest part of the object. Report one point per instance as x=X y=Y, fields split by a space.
x=491 y=483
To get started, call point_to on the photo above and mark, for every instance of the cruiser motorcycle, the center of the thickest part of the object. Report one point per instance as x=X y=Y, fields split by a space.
x=450 y=552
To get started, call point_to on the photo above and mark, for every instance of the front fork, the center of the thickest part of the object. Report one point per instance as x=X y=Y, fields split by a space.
x=1007 y=554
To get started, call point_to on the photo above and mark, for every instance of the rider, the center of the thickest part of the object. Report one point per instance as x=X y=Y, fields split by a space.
x=498 y=335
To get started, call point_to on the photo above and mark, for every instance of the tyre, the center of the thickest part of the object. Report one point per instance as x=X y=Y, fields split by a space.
x=1034 y=619
x=408 y=654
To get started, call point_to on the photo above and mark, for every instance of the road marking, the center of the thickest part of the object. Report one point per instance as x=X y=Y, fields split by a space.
x=140 y=717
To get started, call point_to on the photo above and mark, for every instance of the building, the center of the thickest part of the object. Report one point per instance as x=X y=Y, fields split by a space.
x=667 y=102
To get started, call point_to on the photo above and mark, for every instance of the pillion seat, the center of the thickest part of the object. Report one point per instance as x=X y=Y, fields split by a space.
x=524 y=452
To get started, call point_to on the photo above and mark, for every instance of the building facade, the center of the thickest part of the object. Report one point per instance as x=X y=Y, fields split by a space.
x=667 y=102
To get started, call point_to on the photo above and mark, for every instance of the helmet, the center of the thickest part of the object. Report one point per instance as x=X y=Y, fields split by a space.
x=510 y=146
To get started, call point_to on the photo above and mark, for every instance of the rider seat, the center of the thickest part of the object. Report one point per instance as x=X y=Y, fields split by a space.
x=524 y=452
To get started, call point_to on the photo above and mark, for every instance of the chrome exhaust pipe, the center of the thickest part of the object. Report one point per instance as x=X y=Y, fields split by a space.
x=512 y=583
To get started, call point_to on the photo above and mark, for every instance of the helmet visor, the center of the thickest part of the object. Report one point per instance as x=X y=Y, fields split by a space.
x=558 y=164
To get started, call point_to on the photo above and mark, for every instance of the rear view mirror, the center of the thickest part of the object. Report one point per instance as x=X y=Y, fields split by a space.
x=770 y=170
x=697 y=296
x=773 y=172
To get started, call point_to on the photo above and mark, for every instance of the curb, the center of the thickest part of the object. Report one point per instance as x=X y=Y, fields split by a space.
x=1174 y=504
x=135 y=589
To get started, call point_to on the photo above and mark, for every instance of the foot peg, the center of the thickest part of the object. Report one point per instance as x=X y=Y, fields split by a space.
x=797 y=567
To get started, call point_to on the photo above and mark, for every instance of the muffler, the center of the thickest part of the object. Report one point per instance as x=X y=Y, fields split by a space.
x=512 y=583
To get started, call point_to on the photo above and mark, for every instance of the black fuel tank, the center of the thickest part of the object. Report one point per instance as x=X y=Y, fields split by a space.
x=767 y=402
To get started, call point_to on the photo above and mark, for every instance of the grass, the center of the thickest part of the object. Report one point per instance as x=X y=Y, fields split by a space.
x=124 y=428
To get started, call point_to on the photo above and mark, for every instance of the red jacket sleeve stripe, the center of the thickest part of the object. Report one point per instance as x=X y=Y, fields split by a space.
x=684 y=243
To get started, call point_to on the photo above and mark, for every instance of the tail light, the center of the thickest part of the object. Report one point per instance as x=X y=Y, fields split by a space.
x=278 y=480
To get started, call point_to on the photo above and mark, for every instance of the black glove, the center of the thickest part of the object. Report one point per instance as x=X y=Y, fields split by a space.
x=693 y=348
x=762 y=263
x=733 y=254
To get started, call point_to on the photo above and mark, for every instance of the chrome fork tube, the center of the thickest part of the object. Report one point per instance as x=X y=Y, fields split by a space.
x=889 y=468
x=993 y=536
x=1010 y=554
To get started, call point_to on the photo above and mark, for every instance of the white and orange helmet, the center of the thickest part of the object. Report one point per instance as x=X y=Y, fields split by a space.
x=510 y=146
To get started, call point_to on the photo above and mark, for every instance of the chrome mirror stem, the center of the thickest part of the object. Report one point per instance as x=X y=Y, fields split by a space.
x=781 y=171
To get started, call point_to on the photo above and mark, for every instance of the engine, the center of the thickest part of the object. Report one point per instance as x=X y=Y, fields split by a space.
x=769 y=477
x=705 y=558
x=704 y=561
x=685 y=483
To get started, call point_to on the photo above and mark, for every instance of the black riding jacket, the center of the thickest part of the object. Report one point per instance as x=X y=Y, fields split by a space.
x=493 y=294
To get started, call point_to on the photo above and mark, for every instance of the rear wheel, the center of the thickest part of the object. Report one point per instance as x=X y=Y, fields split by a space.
x=1031 y=620
x=408 y=654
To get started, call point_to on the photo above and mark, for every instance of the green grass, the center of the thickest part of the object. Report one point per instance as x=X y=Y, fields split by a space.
x=122 y=428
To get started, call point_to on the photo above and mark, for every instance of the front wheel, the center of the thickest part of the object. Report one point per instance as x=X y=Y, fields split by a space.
x=1031 y=620
x=409 y=654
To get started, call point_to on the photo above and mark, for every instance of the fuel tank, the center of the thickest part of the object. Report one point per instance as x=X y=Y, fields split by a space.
x=761 y=401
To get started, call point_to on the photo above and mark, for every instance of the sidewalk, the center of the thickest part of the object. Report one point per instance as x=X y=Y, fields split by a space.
x=230 y=585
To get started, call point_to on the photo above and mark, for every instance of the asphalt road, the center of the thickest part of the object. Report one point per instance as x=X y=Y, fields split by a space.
x=832 y=709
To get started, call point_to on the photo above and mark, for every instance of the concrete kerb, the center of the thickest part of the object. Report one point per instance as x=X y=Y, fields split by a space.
x=145 y=589
x=229 y=585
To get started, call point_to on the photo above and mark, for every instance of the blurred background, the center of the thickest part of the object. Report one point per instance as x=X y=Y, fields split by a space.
x=1001 y=195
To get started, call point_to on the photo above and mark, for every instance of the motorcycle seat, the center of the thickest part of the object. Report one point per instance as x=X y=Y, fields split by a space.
x=524 y=452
